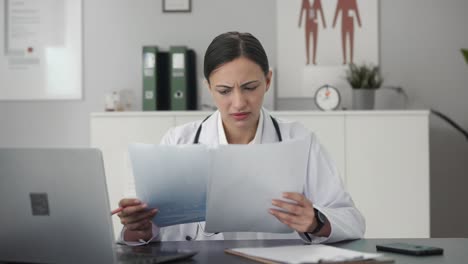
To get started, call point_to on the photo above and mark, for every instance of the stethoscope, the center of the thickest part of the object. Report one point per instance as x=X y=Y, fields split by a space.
x=275 y=124
x=196 y=141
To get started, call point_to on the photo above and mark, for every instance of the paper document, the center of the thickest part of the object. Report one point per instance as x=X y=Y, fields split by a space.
x=172 y=179
x=232 y=186
x=245 y=179
x=302 y=254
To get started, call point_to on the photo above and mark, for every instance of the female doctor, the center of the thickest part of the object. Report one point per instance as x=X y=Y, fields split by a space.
x=238 y=76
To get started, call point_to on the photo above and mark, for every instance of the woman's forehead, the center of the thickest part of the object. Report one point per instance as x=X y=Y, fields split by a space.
x=241 y=68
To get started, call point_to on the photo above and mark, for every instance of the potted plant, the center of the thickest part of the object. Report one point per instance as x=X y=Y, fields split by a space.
x=364 y=79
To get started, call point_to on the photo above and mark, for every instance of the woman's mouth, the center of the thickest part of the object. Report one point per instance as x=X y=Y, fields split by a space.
x=240 y=116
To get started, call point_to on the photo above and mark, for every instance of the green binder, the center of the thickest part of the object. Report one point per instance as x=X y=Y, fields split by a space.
x=150 y=78
x=180 y=92
x=178 y=79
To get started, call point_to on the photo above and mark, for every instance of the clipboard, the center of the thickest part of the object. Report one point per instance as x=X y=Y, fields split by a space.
x=380 y=260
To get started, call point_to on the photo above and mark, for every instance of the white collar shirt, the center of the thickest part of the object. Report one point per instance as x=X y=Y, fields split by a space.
x=258 y=134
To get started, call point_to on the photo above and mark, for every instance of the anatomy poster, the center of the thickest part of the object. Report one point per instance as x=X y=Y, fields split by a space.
x=317 y=39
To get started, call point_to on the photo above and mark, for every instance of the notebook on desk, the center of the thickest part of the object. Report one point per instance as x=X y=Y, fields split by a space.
x=307 y=254
x=55 y=210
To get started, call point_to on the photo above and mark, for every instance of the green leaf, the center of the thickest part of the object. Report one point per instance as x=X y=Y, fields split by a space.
x=465 y=53
x=364 y=76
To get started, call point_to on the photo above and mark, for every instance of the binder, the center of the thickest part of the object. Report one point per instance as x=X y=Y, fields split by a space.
x=155 y=79
x=149 y=77
x=183 y=91
x=162 y=86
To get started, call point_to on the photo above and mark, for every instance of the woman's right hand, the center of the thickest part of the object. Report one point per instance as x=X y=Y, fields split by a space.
x=136 y=217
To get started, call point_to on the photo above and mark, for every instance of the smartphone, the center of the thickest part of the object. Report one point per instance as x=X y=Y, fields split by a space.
x=410 y=249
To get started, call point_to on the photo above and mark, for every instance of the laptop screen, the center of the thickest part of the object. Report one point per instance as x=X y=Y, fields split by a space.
x=57 y=208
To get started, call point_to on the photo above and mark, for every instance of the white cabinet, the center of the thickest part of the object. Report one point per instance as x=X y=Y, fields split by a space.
x=383 y=158
x=387 y=172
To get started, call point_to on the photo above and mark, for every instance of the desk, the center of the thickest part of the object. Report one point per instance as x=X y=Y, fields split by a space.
x=455 y=249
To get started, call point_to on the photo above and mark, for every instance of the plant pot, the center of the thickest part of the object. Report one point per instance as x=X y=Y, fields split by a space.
x=363 y=99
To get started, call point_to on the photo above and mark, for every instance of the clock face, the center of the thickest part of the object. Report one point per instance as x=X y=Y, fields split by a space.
x=327 y=98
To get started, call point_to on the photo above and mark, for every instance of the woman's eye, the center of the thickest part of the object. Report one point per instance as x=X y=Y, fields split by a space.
x=251 y=88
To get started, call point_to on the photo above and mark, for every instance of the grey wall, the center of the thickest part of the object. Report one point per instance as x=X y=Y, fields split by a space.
x=420 y=50
x=420 y=42
x=114 y=31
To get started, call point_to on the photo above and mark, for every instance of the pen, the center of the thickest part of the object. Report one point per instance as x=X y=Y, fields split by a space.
x=115 y=211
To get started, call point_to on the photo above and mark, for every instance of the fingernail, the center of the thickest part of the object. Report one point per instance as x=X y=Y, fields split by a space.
x=274 y=202
x=136 y=201
x=144 y=205
x=155 y=211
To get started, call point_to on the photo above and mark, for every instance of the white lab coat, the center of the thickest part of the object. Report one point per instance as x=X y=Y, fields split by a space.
x=323 y=184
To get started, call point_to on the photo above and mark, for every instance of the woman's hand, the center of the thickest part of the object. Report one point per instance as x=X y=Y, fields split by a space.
x=299 y=215
x=136 y=217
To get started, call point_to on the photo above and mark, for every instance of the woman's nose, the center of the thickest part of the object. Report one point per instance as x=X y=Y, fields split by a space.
x=239 y=101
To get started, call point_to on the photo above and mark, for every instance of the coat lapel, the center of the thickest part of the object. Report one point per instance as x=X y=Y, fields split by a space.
x=209 y=133
x=269 y=133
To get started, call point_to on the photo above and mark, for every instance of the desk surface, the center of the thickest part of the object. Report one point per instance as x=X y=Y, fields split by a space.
x=455 y=249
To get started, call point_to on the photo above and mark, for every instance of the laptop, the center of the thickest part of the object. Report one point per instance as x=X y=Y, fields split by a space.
x=55 y=209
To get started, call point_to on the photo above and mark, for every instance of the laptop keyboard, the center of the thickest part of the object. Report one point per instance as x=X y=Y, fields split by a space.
x=147 y=258
x=137 y=258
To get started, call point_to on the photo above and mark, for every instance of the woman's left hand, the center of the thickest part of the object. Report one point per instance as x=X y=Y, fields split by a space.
x=299 y=214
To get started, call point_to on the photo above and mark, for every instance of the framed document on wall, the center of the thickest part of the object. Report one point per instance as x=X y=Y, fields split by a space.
x=177 y=6
x=41 y=50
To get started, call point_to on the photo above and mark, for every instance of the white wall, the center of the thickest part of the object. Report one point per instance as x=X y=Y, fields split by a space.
x=114 y=31
x=420 y=42
x=420 y=50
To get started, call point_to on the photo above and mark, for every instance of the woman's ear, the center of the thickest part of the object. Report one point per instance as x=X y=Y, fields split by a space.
x=268 y=79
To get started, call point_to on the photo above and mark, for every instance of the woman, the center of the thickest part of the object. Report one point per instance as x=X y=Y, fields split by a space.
x=238 y=76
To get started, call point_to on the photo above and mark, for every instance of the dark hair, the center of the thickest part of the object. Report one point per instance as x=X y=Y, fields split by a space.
x=232 y=45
